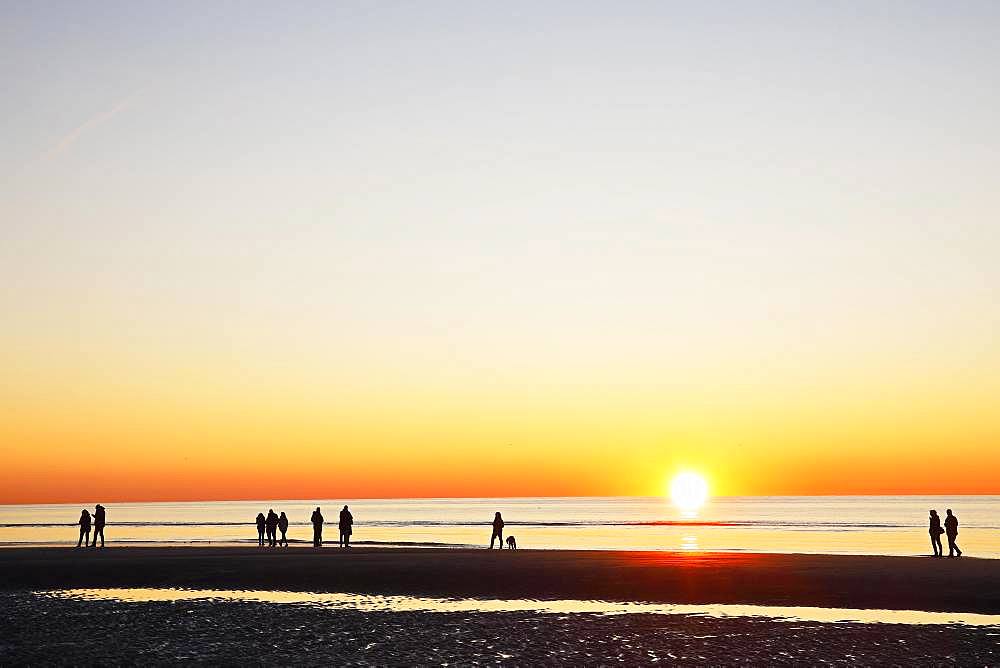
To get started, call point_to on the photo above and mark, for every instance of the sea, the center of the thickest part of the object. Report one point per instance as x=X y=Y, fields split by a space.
x=885 y=525
x=888 y=525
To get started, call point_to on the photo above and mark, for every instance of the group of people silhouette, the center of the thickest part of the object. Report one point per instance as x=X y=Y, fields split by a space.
x=269 y=527
x=85 y=521
x=345 y=525
x=950 y=530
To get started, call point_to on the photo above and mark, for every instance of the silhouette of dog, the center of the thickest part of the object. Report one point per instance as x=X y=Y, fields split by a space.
x=511 y=543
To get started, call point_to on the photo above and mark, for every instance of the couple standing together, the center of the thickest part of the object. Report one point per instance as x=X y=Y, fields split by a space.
x=85 y=527
x=950 y=529
x=346 y=526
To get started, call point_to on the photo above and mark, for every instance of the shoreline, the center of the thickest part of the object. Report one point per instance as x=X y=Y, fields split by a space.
x=299 y=543
x=966 y=584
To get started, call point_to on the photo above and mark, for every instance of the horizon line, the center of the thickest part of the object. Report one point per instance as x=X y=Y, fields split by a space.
x=453 y=498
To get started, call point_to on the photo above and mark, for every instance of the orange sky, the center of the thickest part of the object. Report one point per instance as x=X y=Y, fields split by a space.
x=117 y=430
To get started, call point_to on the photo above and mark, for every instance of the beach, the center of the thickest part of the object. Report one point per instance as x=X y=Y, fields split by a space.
x=46 y=626
x=48 y=631
x=898 y=583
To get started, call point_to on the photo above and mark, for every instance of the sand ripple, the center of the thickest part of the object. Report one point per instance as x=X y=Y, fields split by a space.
x=48 y=630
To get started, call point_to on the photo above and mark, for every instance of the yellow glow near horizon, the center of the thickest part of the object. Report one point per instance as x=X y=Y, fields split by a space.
x=688 y=491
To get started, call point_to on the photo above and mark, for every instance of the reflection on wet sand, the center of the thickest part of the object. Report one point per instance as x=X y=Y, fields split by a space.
x=371 y=603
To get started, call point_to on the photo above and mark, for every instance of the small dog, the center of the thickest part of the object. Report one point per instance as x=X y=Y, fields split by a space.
x=511 y=543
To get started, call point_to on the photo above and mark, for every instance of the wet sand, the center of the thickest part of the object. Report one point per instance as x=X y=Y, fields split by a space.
x=58 y=630
x=900 y=583
x=41 y=630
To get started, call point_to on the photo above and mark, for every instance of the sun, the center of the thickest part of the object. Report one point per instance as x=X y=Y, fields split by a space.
x=688 y=490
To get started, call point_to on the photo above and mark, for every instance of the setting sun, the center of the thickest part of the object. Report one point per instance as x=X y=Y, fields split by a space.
x=688 y=490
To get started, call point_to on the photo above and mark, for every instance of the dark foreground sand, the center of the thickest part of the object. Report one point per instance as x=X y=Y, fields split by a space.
x=43 y=630
x=905 y=583
x=47 y=631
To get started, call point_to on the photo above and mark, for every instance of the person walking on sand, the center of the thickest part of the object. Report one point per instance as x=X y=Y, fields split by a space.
x=346 y=525
x=261 y=525
x=98 y=525
x=283 y=527
x=272 y=528
x=935 y=531
x=84 y=528
x=497 y=531
x=317 y=522
x=951 y=530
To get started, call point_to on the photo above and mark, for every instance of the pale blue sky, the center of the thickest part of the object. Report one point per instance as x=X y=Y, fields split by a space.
x=638 y=189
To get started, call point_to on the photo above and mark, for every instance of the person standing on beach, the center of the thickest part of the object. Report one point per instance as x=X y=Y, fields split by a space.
x=98 y=525
x=261 y=523
x=935 y=530
x=497 y=530
x=346 y=525
x=283 y=527
x=951 y=530
x=84 y=528
x=317 y=522
x=272 y=527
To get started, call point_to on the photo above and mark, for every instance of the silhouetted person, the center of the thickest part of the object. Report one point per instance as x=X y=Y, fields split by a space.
x=283 y=527
x=98 y=525
x=272 y=527
x=261 y=525
x=497 y=531
x=345 y=525
x=317 y=522
x=951 y=530
x=84 y=528
x=935 y=531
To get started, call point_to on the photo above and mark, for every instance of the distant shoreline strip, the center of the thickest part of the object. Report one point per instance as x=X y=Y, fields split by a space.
x=771 y=524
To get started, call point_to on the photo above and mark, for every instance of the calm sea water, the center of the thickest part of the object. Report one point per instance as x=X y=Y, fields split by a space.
x=831 y=525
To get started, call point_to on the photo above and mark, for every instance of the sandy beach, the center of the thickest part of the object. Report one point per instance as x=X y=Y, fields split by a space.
x=51 y=631
x=66 y=629
x=903 y=583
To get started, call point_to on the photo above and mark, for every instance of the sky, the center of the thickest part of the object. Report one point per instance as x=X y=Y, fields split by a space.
x=393 y=249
